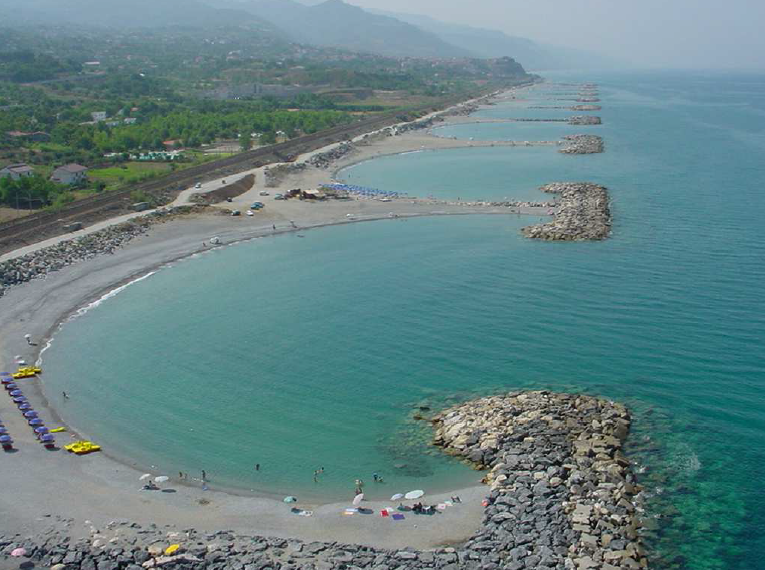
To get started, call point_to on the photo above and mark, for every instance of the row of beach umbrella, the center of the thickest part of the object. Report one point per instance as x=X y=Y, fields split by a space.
x=364 y=191
x=30 y=415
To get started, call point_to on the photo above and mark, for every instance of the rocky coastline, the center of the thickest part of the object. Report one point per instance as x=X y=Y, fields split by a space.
x=38 y=264
x=560 y=495
x=581 y=144
x=582 y=213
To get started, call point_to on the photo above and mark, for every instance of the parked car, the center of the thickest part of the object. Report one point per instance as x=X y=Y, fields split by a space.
x=257 y=205
x=236 y=213
x=263 y=193
x=198 y=185
x=279 y=197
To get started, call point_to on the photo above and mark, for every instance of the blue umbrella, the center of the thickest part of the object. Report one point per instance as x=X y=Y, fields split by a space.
x=5 y=439
x=41 y=429
x=30 y=414
x=19 y=399
x=35 y=422
x=47 y=438
x=10 y=386
x=25 y=406
x=17 y=393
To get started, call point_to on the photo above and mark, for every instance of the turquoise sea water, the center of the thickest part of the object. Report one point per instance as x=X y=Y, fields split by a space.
x=302 y=353
x=520 y=131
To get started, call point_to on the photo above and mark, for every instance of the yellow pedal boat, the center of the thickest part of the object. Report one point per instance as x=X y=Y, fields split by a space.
x=82 y=447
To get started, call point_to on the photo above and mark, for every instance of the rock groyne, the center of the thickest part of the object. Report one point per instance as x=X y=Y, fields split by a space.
x=562 y=492
x=582 y=213
x=584 y=120
x=581 y=144
x=560 y=495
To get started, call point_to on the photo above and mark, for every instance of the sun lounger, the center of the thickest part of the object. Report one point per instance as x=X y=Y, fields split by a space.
x=397 y=517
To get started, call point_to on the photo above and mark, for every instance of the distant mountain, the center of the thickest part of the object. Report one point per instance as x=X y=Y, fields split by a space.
x=337 y=24
x=493 y=43
x=118 y=13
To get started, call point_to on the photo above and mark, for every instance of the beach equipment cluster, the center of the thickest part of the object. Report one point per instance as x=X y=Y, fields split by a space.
x=363 y=191
x=42 y=433
x=582 y=213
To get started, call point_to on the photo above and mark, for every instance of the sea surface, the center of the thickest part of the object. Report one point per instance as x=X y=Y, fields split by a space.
x=299 y=354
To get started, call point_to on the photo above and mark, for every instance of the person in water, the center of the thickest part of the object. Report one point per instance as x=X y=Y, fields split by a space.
x=66 y=396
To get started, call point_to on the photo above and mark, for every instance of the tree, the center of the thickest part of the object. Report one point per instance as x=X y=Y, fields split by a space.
x=245 y=141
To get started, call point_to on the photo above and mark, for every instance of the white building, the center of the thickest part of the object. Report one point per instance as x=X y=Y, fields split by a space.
x=16 y=171
x=70 y=174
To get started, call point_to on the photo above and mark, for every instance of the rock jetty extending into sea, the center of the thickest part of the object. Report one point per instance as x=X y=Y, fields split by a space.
x=560 y=495
x=584 y=120
x=582 y=213
x=38 y=264
x=562 y=492
x=581 y=144
x=586 y=108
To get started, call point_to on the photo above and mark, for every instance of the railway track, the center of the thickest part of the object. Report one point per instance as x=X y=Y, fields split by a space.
x=43 y=225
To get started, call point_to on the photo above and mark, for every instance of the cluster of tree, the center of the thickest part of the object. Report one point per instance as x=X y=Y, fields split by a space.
x=192 y=128
x=25 y=66
x=32 y=192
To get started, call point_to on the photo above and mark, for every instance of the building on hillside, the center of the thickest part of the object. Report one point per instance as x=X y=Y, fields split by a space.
x=98 y=116
x=17 y=171
x=70 y=174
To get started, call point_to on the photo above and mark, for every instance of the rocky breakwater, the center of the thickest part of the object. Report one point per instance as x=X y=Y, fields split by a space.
x=584 y=120
x=40 y=263
x=581 y=144
x=327 y=158
x=586 y=108
x=582 y=213
x=562 y=492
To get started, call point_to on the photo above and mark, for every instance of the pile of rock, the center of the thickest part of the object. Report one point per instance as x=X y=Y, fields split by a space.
x=562 y=492
x=327 y=158
x=561 y=496
x=49 y=259
x=586 y=108
x=584 y=120
x=276 y=174
x=588 y=99
x=582 y=213
x=581 y=144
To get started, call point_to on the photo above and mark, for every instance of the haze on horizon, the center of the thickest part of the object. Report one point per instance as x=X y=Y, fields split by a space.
x=705 y=34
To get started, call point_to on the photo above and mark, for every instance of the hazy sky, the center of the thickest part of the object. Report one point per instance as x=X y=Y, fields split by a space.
x=655 y=33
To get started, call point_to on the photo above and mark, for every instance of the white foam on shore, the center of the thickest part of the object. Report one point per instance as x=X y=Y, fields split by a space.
x=83 y=310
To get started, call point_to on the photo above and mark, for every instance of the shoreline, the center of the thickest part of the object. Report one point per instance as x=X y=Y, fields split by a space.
x=156 y=249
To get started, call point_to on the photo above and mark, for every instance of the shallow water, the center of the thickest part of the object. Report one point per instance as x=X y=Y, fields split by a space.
x=302 y=353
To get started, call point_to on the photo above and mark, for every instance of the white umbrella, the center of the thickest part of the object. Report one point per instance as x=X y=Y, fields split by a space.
x=161 y=479
x=144 y=477
x=414 y=494
x=290 y=499
x=397 y=497
x=357 y=499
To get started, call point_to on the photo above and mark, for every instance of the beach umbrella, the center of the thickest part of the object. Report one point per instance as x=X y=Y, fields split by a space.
x=161 y=479
x=17 y=393
x=144 y=477
x=30 y=414
x=24 y=406
x=414 y=494
x=41 y=430
x=397 y=497
x=18 y=552
x=5 y=439
x=357 y=499
x=10 y=386
x=290 y=499
x=47 y=438
x=35 y=422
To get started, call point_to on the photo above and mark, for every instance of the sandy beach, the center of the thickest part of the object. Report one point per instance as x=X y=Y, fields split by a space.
x=57 y=489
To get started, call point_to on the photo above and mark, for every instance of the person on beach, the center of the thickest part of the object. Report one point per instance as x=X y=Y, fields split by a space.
x=28 y=338
x=274 y=226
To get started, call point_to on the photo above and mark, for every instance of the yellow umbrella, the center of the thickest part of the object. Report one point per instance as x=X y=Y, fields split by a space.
x=172 y=549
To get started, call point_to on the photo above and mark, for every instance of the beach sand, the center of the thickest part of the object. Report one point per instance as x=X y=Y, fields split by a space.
x=42 y=486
